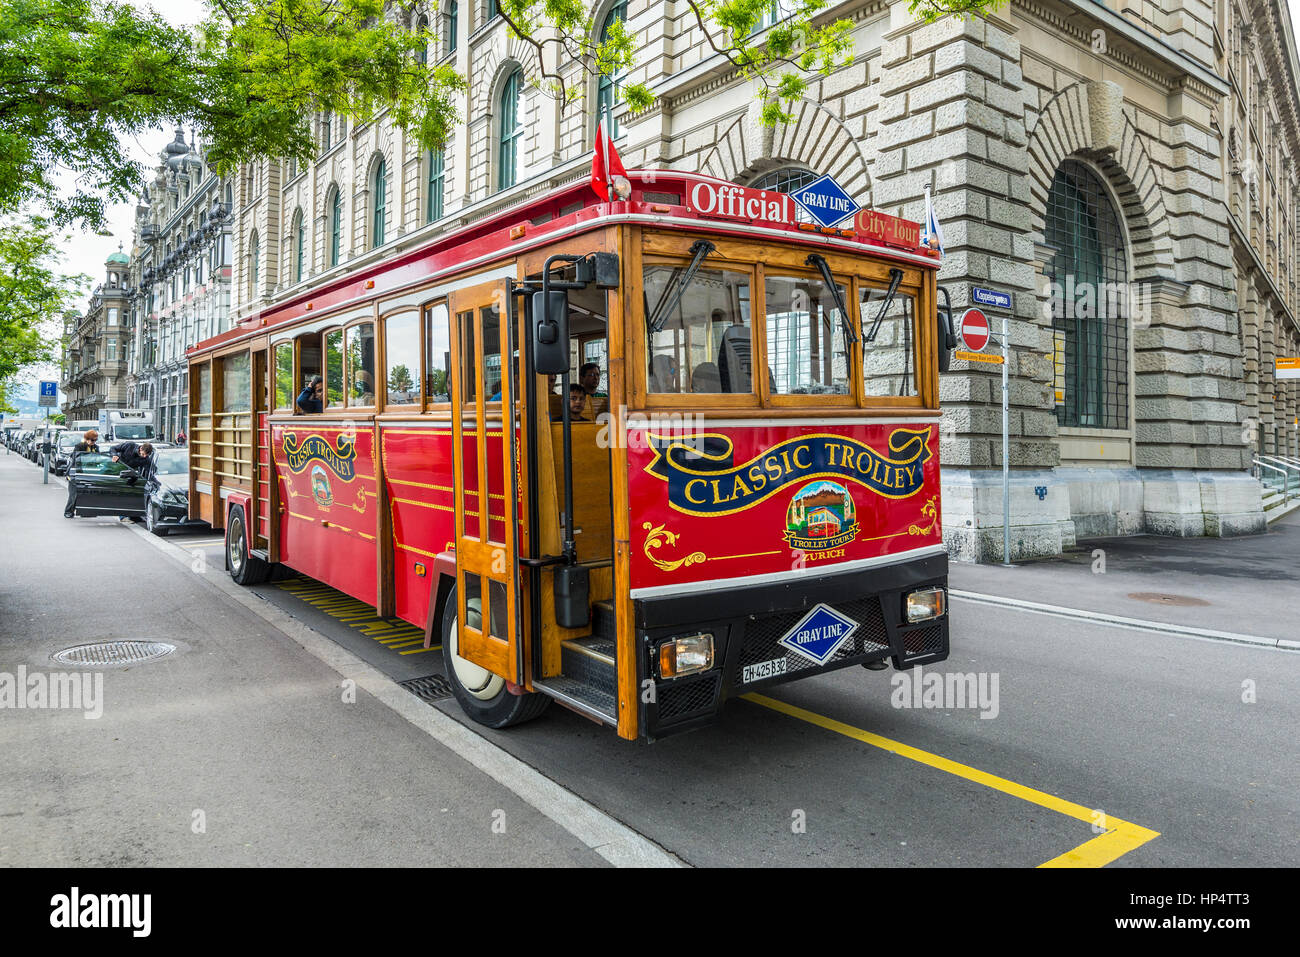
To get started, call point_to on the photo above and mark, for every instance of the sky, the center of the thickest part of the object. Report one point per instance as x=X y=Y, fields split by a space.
x=86 y=252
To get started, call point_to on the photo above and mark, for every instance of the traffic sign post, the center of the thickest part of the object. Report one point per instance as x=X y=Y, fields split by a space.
x=49 y=398
x=976 y=334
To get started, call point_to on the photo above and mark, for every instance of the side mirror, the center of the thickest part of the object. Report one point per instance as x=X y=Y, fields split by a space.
x=551 y=332
x=131 y=476
x=947 y=337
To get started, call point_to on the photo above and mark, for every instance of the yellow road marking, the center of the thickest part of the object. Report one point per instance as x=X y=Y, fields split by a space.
x=1119 y=838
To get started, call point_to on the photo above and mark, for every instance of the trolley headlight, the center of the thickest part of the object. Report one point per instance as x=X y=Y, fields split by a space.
x=926 y=603
x=685 y=655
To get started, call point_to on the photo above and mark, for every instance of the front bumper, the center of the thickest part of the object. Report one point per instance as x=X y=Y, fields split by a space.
x=177 y=516
x=748 y=623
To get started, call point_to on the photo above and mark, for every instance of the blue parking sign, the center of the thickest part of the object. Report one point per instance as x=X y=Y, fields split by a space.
x=49 y=393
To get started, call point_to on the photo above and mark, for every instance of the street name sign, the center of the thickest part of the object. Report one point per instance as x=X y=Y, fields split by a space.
x=1286 y=367
x=990 y=297
x=977 y=357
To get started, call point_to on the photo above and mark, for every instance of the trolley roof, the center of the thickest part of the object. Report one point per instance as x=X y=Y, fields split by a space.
x=667 y=199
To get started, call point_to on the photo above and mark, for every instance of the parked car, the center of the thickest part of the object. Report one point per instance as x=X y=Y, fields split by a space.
x=63 y=451
x=167 y=492
x=104 y=487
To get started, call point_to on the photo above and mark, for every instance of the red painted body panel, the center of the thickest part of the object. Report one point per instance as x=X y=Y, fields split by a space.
x=418 y=473
x=773 y=498
x=327 y=489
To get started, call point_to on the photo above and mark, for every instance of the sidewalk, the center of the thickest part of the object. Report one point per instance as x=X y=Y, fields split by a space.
x=237 y=749
x=1247 y=585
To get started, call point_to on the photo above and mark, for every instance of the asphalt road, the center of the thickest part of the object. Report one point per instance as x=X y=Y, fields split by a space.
x=1109 y=745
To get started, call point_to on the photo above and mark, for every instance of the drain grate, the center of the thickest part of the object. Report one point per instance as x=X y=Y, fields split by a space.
x=430 y=687
x=114 y=653
x=1159 y=598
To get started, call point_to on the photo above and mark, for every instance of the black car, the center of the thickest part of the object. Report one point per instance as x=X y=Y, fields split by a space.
x=104 y=487
x=167 y=492
x=62 y=454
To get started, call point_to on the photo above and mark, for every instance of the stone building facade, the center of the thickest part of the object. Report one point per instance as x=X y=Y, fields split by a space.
x=1125 y=170
x=180 y=279
x=95 y=347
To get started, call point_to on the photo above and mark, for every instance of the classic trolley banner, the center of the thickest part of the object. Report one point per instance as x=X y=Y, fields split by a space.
x=634 y=457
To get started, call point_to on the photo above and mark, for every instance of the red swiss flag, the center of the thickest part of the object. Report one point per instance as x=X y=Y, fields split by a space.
x=606 y=164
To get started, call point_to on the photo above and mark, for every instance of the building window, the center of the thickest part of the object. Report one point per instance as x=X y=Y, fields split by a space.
x=112 y=316
x=326 y=131
x=490 y=10
x=510 y=132
x=787 y=180
x=299 y=245
x=453 y=24
x=422 y=28
x=334 y=203
x=607 y=87
x=254 y=253
x=433 y=206
x=1088 y=287
x=379 y=184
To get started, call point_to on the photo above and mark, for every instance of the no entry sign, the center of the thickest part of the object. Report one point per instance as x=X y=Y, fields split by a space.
x=974 y=330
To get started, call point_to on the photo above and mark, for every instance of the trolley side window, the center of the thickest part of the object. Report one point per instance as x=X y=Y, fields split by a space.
x=402 y=358
x=334 y=369
x=704 y=341
x=437 y=354
x=236 y=384
x=309 y=367
x=360 y=351
x=284 y=381
x=204 y=386
x=888 y=342
x=808 y=346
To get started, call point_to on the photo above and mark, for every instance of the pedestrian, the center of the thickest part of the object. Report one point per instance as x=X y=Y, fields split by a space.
x=89 y=443
x=133 y=456
x=180 y=437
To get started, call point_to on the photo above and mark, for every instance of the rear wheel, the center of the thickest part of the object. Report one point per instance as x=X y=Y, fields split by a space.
x=245 y=569
x=481 y=694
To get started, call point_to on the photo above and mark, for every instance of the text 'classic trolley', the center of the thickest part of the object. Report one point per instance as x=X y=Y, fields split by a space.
x=635 y=456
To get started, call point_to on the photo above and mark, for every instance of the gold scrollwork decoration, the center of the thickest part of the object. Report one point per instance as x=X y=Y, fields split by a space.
x=361 y=498
x=928 y=509
x=656 y=538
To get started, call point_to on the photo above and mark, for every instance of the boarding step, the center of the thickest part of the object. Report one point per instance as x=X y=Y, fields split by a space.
x=603 y=620
x=590 y=659
x=594 y=702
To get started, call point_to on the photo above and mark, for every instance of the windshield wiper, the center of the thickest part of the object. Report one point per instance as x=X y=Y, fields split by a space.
x=699 y=249
x=818 y=260
x=895 y=277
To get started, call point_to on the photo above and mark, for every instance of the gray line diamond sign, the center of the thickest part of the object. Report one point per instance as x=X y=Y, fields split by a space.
x=825 y=201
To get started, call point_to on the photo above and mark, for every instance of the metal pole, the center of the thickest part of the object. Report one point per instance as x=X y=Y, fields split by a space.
x=1006 y=447
x=45 y=448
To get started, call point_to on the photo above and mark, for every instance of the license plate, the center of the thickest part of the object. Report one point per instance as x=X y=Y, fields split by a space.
x=764 y=669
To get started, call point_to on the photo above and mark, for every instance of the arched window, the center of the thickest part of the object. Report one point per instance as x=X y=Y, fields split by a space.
x=787 y=179
x=510 y=131
x=379 y=184
x=608 y=85
x=422 y=29
x=334 y=229
x=299 y=245
x=253 y=255
x=433 y=205
x=1088 y=283
x=452 y=25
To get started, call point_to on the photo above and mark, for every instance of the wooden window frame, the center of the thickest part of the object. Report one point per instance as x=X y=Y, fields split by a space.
x=381 y=358
x=426 y=311
x=326 y=408
x=347 y=375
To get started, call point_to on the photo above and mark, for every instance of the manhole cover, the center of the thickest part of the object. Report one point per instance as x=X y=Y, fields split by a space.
x=1159 y=598
x=113 y=653
x=430 y=687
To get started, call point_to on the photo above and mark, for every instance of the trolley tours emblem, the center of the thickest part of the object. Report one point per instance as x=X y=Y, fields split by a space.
x=821 y=516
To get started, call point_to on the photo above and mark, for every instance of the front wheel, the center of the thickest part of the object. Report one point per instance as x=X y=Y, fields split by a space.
x=481 y=694
x=153 y=521
x=245 y=568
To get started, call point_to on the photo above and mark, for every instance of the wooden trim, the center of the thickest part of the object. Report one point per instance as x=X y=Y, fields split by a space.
x=619 y=335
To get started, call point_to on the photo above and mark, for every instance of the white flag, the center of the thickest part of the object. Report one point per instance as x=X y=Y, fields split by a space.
x=931 y=231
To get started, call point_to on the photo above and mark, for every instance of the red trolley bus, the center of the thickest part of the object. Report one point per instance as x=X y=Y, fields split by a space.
x=736 y=486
